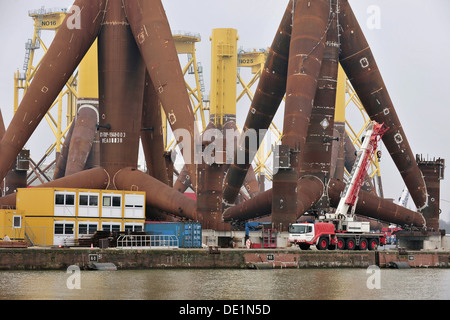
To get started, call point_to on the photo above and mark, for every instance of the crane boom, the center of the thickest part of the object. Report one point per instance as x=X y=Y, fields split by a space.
x=374 y=132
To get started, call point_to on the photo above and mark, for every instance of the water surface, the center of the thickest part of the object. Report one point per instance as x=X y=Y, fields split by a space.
x=225 y=284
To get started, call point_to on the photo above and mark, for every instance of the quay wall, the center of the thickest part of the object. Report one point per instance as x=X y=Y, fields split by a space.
x=62 y=258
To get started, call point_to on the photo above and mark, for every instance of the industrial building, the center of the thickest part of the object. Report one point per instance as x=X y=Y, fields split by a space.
x=120 y=76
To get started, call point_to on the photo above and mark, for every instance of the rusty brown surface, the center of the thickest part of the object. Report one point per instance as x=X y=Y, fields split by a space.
x=268 y=96
x=155 y=41
x=63 y=56
x=258 y=206
x=15 y=179
x=307 y=46
x=310 y=190
x=250 y=182
x=433 y=173
x=316 y=156
x=338 y=154
x=61 y=161
x=82 y=139
x=183 y=181
x=96 y=178
x=284 y=198
x=209 y=197
x=158 y=194
x=152 y=134
x=93 y=159
x=361 y=68
x=372 y=206
x=311 y=24
x=121 y=91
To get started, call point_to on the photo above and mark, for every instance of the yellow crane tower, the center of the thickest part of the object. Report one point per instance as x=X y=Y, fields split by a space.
x=46 y=20
x=185 y=45
x=223 y=76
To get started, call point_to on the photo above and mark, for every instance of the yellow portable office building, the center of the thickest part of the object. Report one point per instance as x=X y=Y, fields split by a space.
x=59 y=216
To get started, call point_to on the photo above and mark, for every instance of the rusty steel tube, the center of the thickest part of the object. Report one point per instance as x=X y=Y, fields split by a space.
x=121 y=91
x=360 y=66
x=310 y=190
x=258 y=206
x=158 y=194
x=63 y=56
x=268 y=96
x=209 y=196
x=372 y=206
x=250 y=183
x=93 y=159
x=61 y=161
x=433 y=172
x=96 y=178
x=311 y=22
x=183 y=181
x=154 y=38
x=284 y=198
x=338 y=156
x=316 y=156
x=82 y=139
x=152 y=133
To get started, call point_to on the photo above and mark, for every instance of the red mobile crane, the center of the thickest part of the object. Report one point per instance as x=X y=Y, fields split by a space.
x=339 y=230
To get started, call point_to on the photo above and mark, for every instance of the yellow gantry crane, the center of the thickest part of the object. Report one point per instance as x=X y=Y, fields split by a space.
x=256 y=59
x=46 y=20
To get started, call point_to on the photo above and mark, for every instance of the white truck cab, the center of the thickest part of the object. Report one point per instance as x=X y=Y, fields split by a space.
x=301 y=232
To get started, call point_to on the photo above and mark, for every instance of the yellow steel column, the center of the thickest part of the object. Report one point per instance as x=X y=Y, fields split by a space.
x=58 y=128
x=88 y=74
x=223 y=75
x=339 y=113
x=16 y=91
x=88 y=94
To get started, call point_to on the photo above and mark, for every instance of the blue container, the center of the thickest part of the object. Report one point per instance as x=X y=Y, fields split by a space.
x=189 y=234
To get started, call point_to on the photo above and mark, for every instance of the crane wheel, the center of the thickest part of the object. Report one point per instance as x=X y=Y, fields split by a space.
x=304 y=246
x=363 y=244
x=351 y=244
x=373 y=244
x=340 y=244
x=322 y=244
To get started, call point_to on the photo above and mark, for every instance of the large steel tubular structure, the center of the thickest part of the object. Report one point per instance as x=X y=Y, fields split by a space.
x=60 y=61
x=268 y=96
x=133 y=37
x=139 y=76
x=359 y=63
x=330 y=27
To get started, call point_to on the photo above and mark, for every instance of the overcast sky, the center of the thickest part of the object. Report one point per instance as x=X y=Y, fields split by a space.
x=411 y=46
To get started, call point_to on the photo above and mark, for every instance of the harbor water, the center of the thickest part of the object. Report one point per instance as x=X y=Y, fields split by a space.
x=228 y=284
